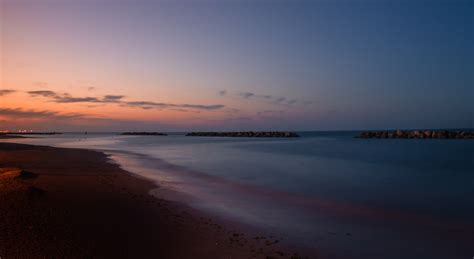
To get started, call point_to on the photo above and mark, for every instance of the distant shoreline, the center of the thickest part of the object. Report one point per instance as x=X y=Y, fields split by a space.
x=8 y=136
x=31 y=133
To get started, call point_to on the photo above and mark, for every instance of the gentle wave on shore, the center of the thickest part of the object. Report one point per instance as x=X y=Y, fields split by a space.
x=343 y=196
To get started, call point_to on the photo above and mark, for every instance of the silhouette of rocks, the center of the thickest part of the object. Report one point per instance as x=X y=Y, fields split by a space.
x=144 y=134
x=418 y=134
x=247 y=134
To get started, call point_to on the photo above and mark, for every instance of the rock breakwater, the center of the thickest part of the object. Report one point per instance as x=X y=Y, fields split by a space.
x=144 y=134
x=249 y=134
x=418 y=134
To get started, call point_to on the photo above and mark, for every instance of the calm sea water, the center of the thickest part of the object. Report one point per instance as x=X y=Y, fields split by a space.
x=327 y=191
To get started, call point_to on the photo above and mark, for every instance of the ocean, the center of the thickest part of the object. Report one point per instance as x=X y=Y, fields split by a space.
x=326 y=191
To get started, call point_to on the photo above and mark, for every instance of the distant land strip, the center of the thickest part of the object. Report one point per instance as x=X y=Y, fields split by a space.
x=30 y=133
x=144 y=134
x=251 y=134
x=418 y=134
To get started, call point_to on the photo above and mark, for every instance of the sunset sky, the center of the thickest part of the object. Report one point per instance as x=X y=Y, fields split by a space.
x=114 y=65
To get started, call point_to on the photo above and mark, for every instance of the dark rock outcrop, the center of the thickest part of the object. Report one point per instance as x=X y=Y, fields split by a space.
x=246 y=134
x=418 y=134
x=25 y=175
x=35 y=192
x=144 y=134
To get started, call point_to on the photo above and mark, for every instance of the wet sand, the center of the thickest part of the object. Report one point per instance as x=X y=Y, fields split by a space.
x=72 y=203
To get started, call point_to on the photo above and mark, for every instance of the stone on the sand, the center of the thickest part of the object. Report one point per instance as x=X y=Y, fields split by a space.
x=24 y=175
x=33 y=191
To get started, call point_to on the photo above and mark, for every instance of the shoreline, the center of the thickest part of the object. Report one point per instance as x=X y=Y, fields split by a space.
x=3 y=136
x=81 y=205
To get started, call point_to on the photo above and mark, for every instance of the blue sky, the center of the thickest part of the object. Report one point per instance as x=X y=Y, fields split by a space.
x=299 y=65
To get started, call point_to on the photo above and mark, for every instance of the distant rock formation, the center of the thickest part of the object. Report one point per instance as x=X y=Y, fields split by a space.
x=418 y=134
x=144 y=134
x=247 y=134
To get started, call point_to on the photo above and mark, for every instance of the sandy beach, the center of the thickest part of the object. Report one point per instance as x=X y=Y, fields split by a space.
x=72 y=203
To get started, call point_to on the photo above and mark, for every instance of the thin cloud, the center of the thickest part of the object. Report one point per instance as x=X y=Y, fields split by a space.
x=150 y=105
x=112 y=98
x=44 y=93
x=203 y=107
x=70 y=99
x=281 y=100
x=247 y=95
x=6 y=91
x=232 y=111
x=22 y=113
x=142 y=104
x=67 y=98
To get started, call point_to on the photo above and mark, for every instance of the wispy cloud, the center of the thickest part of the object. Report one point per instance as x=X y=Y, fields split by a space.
x=62 y=98
x=280 y=99
x=118 y=99
x=70 y=99
x=113 y=98
x=44 y=93
x=6 y=91
x=232 y=111
x=196 y=106
x=22 y=113
x=268 y=98
x=150 y=105
x=247 y=95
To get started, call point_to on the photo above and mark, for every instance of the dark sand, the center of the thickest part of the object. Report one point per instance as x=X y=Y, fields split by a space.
x=71 y=203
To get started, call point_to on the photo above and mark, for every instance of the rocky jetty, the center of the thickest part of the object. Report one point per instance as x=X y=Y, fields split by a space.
x=418 y=134
x=246 y=134
x=144 y=134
